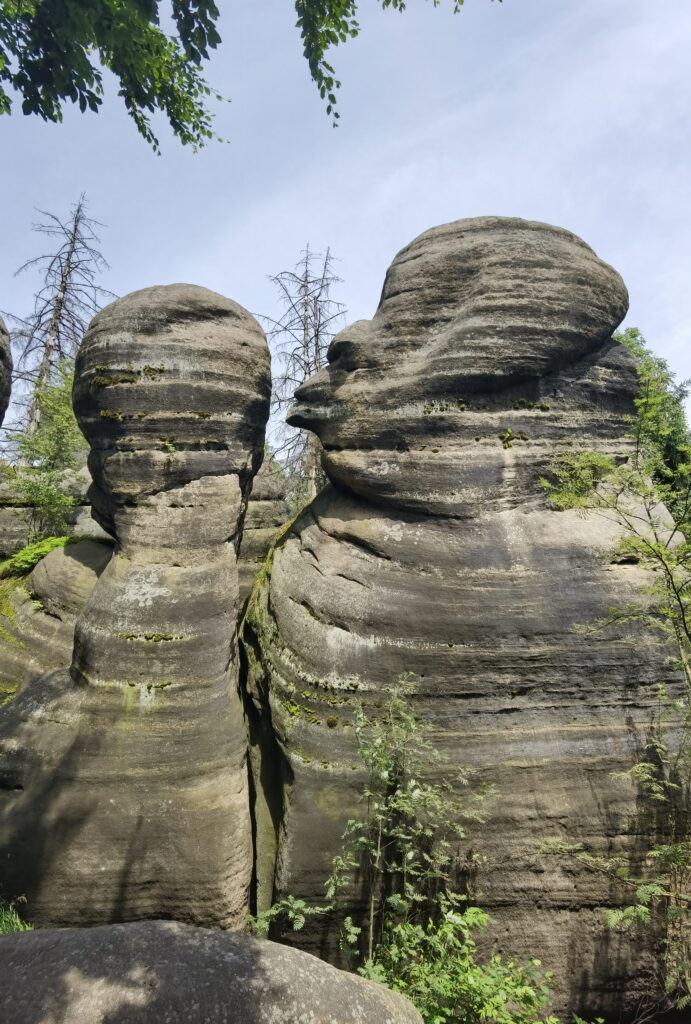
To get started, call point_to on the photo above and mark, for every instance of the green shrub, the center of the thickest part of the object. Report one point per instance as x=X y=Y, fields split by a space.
x=24 y=561
x=416 y=932
x=46 y=452
x=10 y=921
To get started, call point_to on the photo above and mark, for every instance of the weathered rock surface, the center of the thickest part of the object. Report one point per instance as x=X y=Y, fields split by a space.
x=435 y=553
x=162 y=971
x=37 y=623
x=5 y=369
x=37 y=627
x=124 y=783
x=267 y=512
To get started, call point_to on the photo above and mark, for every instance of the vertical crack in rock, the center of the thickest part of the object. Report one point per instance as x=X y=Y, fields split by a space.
x=434 y=552
x=133 y=764
x=5 y=369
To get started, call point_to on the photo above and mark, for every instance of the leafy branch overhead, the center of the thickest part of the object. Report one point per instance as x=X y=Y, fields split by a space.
x=52 y=51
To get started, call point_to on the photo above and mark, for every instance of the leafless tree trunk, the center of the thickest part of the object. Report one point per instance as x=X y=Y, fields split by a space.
x=299 y=341
x=67 y=299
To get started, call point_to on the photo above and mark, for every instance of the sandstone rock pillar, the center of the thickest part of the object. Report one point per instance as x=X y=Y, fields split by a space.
x=171 y=390
x=434 y=552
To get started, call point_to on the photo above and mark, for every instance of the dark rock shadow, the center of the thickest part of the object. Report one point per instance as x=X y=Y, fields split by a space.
x=41 y=746
x=155 y=971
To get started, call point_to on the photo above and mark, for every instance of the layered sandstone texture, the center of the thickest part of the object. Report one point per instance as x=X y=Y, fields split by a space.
x=435 y=553
x=267 y=512
x=124 y=782
x=5 y=369
x=159 y=971
x=39 y=613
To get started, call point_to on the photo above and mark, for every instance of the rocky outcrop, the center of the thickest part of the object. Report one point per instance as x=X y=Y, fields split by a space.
x=39 y=613
x=434 y=552
x=38 y=616
x=123 y=783
x=161 y=971
x=5 y=369
x=19 y=522
x=267 y=512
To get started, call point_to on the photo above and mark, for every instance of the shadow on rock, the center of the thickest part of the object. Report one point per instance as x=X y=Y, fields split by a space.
x=163 y=971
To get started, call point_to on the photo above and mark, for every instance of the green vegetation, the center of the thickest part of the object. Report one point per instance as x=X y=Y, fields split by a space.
x=10 y=921
x=649 y=497
x=51 y=53
x=415 y=932
x=324 y=24
x=53 y=447
x=21 y=563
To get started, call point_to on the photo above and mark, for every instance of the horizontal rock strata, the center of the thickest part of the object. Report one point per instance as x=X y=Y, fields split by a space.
x=125 y=780
x=434 y=553
x=267 y=512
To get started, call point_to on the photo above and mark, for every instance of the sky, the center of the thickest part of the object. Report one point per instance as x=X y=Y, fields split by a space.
x=573 y=112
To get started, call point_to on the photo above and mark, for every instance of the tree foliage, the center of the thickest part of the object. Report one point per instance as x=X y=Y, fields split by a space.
x=325 y=24
x=47 y=454
x=53 y=51
x=416 y=934
x=649 y=497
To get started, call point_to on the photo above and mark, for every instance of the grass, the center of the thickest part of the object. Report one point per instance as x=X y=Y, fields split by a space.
x=10 y=921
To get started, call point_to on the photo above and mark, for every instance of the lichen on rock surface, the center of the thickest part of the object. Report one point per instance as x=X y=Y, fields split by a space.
x=127 y=795
x=434 y=553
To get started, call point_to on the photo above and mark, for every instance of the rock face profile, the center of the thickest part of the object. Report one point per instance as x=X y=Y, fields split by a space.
x=434 y=553
x=5 y=369
x=163 y=971
x=124 y=782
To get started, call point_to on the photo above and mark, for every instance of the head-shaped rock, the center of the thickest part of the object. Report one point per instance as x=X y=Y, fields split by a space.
x=476 y=317
x=172 y=386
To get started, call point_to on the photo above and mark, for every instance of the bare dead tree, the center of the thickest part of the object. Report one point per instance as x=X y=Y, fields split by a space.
x=68 y=298
x=299 y=341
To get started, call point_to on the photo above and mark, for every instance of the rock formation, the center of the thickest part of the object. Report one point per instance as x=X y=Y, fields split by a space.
x=38 y=614
x=5 y=369
x=267 y=512
x=161 y=971
x=38 y=617
x=434 y=552
x=123 y=783
x=18 y=518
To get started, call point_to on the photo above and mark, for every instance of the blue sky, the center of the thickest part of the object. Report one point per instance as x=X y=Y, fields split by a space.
x=570 y=111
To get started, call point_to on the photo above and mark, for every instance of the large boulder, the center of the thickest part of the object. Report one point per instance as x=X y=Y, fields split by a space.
x=39 y=613
x=161 y=971
x=435 y=553
x=5 y=369
x=124 y=788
